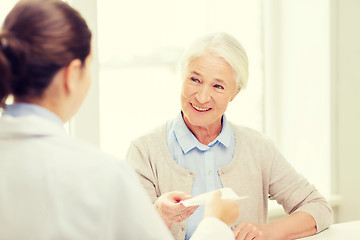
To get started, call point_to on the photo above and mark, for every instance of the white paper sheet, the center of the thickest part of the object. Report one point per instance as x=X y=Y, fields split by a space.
x=226 y=193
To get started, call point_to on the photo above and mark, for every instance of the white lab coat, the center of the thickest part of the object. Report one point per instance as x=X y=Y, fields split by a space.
x=53 y=186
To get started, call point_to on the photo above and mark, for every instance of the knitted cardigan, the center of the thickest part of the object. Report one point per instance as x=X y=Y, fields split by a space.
x=257 y=170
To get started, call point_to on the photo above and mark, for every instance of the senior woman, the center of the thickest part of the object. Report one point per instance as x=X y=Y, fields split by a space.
x=53 y=186
x=200 y=150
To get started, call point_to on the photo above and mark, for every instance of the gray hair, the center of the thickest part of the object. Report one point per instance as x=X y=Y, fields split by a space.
x=222 y=45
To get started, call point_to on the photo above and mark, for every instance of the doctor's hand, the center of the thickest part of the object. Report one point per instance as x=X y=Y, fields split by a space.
x=224 y=209
x=171 y=210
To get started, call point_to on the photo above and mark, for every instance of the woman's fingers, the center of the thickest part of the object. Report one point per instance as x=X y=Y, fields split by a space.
x=170 y=208
x=187 y=212
x=248 y=231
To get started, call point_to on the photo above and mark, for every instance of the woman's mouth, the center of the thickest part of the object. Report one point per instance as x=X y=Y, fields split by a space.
x=200 y=109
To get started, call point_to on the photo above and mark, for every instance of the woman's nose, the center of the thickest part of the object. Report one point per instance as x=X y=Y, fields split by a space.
x=204 y=94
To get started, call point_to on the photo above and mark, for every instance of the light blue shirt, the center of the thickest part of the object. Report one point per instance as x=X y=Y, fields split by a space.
x=24 y=109
x=202 y=159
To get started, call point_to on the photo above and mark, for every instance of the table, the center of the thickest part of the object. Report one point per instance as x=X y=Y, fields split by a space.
x=340 y=231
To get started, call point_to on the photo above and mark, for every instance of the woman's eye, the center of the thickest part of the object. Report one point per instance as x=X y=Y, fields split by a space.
x=218 y=86
x=194 y=79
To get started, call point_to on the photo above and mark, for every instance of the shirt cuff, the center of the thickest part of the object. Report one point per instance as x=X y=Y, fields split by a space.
x=212 y=228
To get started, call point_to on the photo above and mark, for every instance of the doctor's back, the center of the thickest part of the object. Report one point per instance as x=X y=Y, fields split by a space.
x=55 y=187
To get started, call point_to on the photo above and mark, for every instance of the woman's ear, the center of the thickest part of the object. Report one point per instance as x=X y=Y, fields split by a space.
x=236 y=93
x=72 y=75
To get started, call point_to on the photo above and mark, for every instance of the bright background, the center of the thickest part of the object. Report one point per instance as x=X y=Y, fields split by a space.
x=303 y=85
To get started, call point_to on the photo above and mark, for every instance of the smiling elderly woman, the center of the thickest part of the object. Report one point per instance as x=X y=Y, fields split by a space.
x=200 y=151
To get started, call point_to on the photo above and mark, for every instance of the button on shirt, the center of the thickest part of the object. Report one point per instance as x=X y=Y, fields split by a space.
x=202 y=160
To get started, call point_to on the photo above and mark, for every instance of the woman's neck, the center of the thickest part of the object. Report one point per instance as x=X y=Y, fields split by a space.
x=207 y=134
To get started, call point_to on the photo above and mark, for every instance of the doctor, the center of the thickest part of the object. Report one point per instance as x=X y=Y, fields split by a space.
x=53 y=186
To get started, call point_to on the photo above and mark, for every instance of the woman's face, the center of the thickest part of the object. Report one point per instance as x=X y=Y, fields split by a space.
x=208 y=87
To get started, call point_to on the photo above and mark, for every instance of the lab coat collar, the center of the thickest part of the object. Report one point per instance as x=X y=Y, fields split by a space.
x=28 y=126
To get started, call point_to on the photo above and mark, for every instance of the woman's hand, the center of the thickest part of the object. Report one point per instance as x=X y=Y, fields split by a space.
x=296 y=225
x=171 y=210
x=225 y=210
x=250 y=231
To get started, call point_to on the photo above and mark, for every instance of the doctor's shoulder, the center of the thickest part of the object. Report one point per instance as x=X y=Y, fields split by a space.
x=85 y=155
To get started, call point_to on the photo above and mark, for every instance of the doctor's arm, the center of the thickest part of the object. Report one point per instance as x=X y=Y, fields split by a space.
x=218 y=217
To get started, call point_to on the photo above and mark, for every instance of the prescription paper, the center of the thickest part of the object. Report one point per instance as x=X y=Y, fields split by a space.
x=226 y=193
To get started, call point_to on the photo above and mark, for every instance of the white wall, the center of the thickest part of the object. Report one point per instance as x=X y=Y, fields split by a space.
x=309 y=44
x=297 y=85
x=86 y=124
x=345 y=63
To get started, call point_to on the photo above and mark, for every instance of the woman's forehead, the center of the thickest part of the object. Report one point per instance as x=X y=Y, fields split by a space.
x=210 y=64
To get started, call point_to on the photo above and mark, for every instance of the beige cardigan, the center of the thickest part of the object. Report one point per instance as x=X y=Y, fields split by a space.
x=257 y=170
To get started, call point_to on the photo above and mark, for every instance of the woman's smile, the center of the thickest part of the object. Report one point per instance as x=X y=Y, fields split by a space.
x=200 y=109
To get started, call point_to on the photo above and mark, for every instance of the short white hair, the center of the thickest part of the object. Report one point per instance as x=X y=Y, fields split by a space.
x=221 y=45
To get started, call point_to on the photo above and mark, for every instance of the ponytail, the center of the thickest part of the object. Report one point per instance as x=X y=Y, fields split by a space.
x=13 y=64
x=38 y=38
x=4 y=73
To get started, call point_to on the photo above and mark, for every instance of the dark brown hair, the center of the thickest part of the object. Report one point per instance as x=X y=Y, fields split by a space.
x=37 y=39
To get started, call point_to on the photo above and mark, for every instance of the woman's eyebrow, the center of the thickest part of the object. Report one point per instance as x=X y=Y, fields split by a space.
x=196 y=73
x=220 y=81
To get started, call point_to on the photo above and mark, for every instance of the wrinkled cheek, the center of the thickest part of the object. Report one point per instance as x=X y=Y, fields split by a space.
x=184 y=96
x=184 y=93
x=188 y=93
x=183 y=102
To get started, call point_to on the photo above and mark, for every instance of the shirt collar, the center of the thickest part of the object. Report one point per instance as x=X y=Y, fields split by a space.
x=226 y=133
x=188 y=141
x=25 y=109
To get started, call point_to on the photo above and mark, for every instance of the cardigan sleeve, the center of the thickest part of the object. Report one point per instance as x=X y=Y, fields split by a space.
x=295 y=193
x=141 y=163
